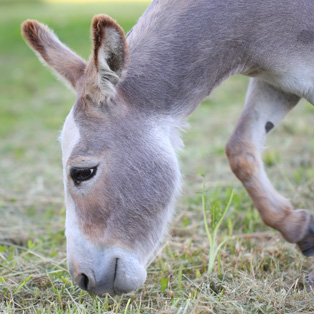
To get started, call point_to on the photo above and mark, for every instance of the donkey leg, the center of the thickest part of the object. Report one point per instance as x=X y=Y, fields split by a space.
x=265 y=107
x=309 y=282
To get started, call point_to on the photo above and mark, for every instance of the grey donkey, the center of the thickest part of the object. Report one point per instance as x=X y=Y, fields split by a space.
x=119 y=141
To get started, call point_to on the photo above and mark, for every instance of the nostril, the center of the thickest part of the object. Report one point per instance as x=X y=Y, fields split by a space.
x=115 y=269
x=82 y=280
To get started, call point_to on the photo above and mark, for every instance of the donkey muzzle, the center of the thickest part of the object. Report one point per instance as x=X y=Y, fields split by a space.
x=114 y=271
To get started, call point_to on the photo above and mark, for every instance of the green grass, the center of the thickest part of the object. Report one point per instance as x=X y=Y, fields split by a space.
x=255 y=271
x=216 y=216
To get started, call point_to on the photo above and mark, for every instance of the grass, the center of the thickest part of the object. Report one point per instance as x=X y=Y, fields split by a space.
x=255 y=271
x=217 y=215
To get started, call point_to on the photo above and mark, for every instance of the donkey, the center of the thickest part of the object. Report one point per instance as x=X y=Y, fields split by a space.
x=119 y=141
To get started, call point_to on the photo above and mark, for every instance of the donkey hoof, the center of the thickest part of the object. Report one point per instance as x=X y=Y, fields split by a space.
x=307 y=244
x=309 y=284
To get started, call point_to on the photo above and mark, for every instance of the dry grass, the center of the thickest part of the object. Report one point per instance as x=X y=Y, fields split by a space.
x=256 y=271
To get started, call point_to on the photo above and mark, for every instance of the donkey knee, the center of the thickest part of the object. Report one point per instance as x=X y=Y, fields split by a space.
x=242 y=159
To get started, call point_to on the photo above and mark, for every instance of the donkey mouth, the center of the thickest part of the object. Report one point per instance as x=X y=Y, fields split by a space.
x=117 y=272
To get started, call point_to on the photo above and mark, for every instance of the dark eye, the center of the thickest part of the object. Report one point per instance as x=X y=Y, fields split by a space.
x=82 y=174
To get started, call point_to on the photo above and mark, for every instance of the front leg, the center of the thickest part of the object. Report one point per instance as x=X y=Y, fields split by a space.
x=265 y=107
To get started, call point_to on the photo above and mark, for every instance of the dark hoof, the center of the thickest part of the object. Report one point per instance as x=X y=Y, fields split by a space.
x=309 y=284
x=307 y=244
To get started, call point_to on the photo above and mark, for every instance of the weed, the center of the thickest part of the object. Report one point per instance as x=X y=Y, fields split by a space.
x=217 y=214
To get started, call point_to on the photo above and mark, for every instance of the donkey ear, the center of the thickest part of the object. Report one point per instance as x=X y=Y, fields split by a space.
x=110 y=52
x=52 y=52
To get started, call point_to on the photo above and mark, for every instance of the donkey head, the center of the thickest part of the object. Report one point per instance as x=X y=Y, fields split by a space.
x=119 y=165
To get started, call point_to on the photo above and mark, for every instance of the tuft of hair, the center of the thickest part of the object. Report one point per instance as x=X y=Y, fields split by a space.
x=32 y=33
x=110 y=53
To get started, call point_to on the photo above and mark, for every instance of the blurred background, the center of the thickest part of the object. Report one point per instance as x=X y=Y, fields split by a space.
x=34 y=104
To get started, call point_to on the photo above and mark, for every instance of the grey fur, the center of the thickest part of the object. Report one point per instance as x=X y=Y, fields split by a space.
x=179 y=51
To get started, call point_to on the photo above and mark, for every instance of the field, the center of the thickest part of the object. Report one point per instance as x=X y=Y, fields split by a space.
x=256 y=271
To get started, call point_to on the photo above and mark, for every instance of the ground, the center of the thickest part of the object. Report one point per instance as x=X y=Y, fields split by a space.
x=256 y=271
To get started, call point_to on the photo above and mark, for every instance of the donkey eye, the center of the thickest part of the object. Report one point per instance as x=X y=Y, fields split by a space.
x=82 y=174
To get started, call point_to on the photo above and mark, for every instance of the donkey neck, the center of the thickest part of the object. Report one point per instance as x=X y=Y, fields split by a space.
x=177 y=57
